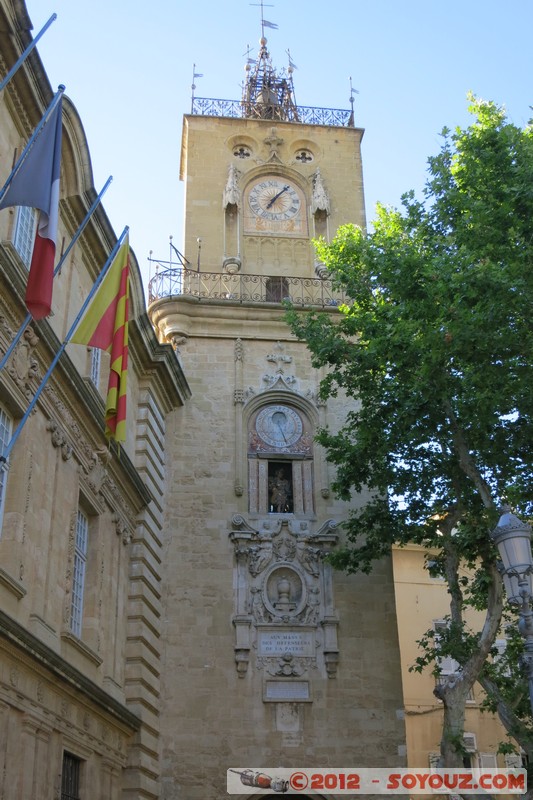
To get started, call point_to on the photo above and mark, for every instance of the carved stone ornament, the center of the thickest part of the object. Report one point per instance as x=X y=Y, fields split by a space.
x=321 y=271
x=231 y=265
x=122 y=529
x=284 y=585
x=274 y=142
x=319 y=197
x=177 y=341
x=59 y=439
x=97 y=475
x=23 y=367
x=279 y=380
x=231 y=194
x=279 y=357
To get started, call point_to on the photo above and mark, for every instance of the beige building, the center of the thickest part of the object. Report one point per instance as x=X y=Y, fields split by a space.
x=269 y=659
x=166 y=612
x=422 y=603
x=81 y=526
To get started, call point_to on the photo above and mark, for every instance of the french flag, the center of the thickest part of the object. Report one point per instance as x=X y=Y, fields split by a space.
x=36 y=184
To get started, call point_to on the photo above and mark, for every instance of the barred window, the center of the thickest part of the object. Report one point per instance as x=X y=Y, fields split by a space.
x=78 y=572
x=24 y=234
x=70 y=777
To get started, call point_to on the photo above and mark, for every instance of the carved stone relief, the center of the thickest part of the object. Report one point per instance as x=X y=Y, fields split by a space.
x=284 y=610
x=23 y=367
x=59 y=439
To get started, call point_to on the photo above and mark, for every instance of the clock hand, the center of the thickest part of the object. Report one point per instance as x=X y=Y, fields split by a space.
x=281 y=431
x=273 y=200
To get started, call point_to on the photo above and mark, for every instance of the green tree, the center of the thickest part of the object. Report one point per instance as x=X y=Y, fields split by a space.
x=435 y=348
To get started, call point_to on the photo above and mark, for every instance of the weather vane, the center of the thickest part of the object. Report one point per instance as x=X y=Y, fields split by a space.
x=193 y=85
x=264 y=22
x=352 y=100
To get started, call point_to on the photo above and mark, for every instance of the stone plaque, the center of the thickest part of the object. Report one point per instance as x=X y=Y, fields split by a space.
x=279 y=642
x=287 y=691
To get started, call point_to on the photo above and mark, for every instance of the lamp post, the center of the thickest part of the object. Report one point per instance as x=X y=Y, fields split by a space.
x=513 y=540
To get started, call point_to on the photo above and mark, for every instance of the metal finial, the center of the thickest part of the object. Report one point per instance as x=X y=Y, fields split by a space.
x=353 y=91
x=193 y=85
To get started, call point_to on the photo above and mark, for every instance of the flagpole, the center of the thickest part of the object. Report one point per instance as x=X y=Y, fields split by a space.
x=74 y=239
x=36 y=132
x=26 y=53
x=9 y=447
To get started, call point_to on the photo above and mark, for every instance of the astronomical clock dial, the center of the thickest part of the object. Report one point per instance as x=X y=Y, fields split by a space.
x=275 y=204
x=279 y=426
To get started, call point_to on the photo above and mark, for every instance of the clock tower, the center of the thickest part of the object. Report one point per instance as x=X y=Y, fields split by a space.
x=269 y=658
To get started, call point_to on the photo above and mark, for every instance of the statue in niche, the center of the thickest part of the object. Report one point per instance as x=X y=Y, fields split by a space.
x=280 y=492
x=257 y=610
x=313 y=606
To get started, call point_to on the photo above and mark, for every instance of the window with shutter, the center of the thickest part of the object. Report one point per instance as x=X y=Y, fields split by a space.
x=488 y=760
x=24 y=233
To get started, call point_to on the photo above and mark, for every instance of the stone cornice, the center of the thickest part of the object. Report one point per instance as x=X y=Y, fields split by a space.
x=159 y=358
x=49 y=660
x=66 y=387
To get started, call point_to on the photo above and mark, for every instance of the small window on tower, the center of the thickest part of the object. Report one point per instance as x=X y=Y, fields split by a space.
x=304 y=156
x=241 y=151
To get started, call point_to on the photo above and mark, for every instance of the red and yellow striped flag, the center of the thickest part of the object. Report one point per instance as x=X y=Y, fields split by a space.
x=105 y=325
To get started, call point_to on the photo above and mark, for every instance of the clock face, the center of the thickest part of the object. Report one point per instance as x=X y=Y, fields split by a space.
x=274 y=204
x=279 y=426
x=274 y=199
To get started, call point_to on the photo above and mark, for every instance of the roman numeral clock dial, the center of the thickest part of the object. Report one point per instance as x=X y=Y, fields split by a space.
x=275 y=205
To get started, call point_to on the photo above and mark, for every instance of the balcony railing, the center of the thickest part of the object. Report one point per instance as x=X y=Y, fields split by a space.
x=237 y=288
x=211 y=107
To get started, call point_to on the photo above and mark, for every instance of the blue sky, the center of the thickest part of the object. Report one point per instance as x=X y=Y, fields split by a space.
x=127 y=67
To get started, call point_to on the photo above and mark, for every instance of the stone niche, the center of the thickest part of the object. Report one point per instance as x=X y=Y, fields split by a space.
x=284 y=617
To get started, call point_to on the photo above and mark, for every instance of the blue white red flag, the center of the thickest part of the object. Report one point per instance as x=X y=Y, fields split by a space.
x=36 y=184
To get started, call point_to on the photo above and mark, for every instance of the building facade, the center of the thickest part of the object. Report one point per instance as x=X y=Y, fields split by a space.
x=166 y=611
x=81 y=525
x=269 y=658
x=423 y=604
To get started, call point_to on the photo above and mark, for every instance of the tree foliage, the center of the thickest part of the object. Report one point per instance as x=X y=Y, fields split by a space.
x=434 y=349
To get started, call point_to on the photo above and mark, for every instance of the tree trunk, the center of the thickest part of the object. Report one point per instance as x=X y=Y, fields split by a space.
x=515 y=727
x=455 y=691
x=453 y=695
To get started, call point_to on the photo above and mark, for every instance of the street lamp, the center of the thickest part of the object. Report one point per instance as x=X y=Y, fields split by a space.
x=513 y=540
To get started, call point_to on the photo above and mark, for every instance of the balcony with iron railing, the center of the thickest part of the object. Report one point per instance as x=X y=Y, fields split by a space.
x=237 y=288
x=240 y=109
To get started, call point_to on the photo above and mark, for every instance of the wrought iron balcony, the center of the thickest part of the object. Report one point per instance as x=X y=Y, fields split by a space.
x=210 y=107
x=239 y=288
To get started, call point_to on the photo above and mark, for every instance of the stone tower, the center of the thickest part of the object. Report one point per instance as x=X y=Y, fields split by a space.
x=269 y=658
